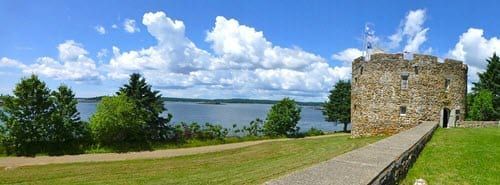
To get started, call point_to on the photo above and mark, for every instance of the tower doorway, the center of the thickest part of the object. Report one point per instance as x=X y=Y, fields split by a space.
x=446 y=117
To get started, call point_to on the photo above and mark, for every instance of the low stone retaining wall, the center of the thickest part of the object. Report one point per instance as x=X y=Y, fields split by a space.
x=478 y=124
x=384 y=162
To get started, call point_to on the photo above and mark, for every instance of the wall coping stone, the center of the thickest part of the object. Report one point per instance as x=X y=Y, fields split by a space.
x=478 y=124
x=382 y=162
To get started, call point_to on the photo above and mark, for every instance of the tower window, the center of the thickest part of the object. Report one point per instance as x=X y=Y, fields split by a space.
x=402 y=111
x=404 y=81
x=361 y=71
x=416 y=70
x=447 y=84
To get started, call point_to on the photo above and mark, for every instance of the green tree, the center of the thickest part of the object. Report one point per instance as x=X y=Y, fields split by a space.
x=69 y=133
x=282 y=119
x=338 y=106
x=482 y=106
x=490 y=80
x=27 y=117
x=119 y=123
x=150 y=103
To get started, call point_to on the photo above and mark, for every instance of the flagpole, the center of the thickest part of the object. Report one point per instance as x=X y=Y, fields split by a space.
x=364 y=43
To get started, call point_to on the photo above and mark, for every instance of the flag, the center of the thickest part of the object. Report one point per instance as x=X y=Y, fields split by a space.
x=368 y=45
x=369 y=37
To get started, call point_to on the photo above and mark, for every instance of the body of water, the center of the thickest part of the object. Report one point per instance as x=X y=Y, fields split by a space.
x=228 y=114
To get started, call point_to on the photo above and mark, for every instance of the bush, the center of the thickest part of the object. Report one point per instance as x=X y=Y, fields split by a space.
x=314 y=132
x=254 y=128
x=282 y=118
x=184 y=132
x=119 y=124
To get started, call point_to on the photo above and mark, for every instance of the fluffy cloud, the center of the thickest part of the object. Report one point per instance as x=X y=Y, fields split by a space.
x=412 y=30
x=347 y=56
x=243 y=60
x=129 y=26
x=473 y=48
x=73 y=64
x=7 y=62
x=100 y=29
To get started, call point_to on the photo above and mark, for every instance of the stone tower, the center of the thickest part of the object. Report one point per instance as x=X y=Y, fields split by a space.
x=390 y=93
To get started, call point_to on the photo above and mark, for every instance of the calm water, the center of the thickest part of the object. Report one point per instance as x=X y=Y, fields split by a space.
x=228 y=114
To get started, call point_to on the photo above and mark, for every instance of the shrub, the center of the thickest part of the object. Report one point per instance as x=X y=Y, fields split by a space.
x=282 y=118
x=314 y=132
x=184 y=132
x=254 y=128
x=119 y=123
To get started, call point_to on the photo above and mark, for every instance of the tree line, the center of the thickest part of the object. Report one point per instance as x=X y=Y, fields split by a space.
x=39 y=120
x=484 y=100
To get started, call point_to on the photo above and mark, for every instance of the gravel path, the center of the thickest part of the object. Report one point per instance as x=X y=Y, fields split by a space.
x=13 y=162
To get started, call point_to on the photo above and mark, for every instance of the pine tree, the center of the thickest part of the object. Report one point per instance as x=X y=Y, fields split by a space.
x=490 y=80
x=150 y=102
x=69 y=133
x=338 y=106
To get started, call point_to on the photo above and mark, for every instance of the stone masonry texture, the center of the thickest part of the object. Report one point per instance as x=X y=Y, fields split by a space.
x=383 y=104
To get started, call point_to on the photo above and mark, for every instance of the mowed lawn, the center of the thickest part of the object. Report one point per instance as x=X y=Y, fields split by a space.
x=459 y=156
x=250 y=165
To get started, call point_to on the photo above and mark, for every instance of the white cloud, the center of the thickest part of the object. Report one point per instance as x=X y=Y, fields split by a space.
x=347 y=56
x=102 y=53
x=129 y=26
x=73 y=64
x=114 y=26
x=100 y=29
x=412 y=31
x=473 y=48
x=243 y=61
x=7 y=62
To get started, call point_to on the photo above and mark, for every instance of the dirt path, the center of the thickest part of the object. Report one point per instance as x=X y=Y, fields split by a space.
x=13 y=162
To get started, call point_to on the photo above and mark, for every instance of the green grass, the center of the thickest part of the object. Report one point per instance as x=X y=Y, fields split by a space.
x=459 y=156
x=250 y=165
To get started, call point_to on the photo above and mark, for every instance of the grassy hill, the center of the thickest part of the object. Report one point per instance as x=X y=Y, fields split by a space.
x=249 y=165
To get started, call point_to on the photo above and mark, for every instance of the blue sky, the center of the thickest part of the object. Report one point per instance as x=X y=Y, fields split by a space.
x=229 y=49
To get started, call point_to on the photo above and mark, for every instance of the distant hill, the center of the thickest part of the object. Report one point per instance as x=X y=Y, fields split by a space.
x=212 y=101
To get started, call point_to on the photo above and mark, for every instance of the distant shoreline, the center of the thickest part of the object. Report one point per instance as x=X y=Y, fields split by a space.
x=209 y=101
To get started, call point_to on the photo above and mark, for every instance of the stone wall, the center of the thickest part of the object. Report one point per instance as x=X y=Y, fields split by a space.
x=384 y=162
x=398 y=169
x=377 y=94
x=478 y=124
